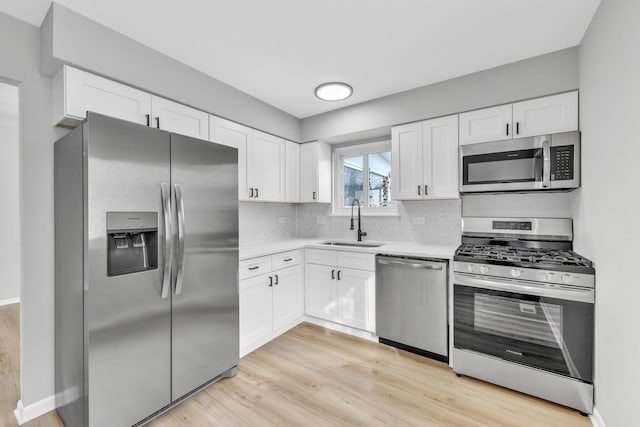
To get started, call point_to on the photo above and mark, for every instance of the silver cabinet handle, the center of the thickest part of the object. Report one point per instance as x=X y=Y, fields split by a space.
x=314 y=195
x=270 y=281
x=257 y=193
x=288 y=259
x=419 y=191
x=168 y=240
x=277 y=280
x=339 y=271
x=411 y=264
x=254 y=268
x=251 y=194
x=333 y=274
x=426 y=190
x=180 y=208
x=546 y=163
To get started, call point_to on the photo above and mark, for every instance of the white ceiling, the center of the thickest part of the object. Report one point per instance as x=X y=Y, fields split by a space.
x=280 y=50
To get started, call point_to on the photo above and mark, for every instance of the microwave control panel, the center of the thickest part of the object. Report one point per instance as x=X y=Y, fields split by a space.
x=562 y=163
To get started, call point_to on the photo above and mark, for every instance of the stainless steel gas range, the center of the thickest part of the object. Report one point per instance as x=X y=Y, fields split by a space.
x=524 y=308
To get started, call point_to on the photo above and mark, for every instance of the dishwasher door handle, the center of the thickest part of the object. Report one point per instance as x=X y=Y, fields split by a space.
x=412 y=264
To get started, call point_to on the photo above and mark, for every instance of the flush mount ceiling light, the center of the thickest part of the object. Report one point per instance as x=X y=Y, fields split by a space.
x=334 y=91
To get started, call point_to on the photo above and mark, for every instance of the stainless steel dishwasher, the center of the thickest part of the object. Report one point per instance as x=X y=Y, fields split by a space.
x=411 y=304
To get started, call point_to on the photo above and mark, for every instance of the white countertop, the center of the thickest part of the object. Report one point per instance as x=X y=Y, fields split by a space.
x=391 y=248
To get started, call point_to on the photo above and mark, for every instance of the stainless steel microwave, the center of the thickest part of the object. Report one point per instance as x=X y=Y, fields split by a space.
x=546 y=162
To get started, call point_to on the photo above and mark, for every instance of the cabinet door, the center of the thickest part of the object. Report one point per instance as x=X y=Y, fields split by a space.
x=178 y=118
x=267 y=167
x=84 y=92
x=235 y=135
x=440 y=157
x=308 y=172
x=288 y=296
x=551 y=114
x=356 y=298
x=406 y=162
x=255 y=309
x=292 y=174
x=488 y=124
x=319 y=291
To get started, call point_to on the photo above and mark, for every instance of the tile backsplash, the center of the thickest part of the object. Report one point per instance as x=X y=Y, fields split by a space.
x=262 y=222
x=434 y=221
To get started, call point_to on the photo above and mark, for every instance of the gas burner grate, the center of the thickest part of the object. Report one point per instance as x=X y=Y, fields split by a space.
x=522 y=255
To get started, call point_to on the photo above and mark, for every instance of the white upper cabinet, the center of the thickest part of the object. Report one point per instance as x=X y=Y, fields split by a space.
x=425 y=159
x=406 y=161
x=292 y=173
x=232 y=134
x=540 y=116
x=178 y=118
x=75 y=92
x=266 y=164
x=440 y=157
x=551 y=114
x=315 y=172
x=488 y=124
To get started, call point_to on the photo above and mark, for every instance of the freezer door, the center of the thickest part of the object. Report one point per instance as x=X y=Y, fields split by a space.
x=204 y=181
x=128 y=323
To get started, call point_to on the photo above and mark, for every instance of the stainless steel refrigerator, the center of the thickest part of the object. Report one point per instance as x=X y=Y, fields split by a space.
x=146 y=270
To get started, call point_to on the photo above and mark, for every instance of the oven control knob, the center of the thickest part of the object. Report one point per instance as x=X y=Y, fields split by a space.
x=549 y=277
x=566 y=278
x=471 y=268
x=516 y=272
x=484 y=269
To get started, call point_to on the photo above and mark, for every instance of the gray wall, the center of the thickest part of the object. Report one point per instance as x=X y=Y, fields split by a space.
x=9 y=193
x=69 y=37
x=19 y=64
x=538 y=76
x=607 y=206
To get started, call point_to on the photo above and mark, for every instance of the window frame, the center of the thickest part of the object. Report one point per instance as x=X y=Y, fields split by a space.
x=337 y=173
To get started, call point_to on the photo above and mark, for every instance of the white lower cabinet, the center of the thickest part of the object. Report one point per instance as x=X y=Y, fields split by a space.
x=270 y=302
x=355 y=292
x=338 y=292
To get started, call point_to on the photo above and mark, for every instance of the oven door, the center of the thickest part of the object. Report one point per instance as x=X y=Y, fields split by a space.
x=522 y=164
x=548 y=327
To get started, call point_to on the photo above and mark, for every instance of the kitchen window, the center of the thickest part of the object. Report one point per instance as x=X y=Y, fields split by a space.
x=363 y=172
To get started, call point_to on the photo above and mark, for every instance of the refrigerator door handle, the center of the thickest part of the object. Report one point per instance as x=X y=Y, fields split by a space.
x=168 y=239
x=180 y=255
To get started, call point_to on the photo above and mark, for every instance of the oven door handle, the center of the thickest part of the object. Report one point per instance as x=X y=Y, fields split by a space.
x=585 y=295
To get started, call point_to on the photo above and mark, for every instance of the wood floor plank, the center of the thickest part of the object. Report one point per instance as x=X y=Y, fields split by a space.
x=312 y=376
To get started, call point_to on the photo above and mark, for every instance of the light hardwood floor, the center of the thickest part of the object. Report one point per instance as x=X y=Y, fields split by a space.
x=312 y=376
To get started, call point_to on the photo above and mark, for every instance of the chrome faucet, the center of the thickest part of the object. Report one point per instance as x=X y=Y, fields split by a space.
x=360 y=232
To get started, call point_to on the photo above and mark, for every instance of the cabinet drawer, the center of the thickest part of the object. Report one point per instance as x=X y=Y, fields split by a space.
x=254 y=266
x=320 y=256
x=286 y=259
x=357 y=260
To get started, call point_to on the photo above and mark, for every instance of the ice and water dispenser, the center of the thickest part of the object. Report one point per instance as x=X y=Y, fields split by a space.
x=132 y=242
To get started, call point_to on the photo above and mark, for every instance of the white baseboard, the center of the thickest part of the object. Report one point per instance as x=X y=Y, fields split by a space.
x=27 y=413
x=342 y=328
x=9 y=301
x=596 y=418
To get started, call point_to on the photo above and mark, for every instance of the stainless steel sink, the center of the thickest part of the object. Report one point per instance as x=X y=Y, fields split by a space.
x=355 y=244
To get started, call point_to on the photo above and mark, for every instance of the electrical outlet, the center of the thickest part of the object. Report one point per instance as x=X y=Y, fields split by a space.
x=282 y=220
x=321 y=219
x=418 y=220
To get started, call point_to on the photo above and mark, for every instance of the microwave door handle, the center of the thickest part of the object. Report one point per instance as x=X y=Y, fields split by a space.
x=546 y=163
